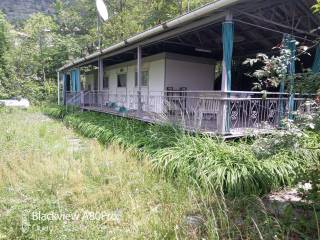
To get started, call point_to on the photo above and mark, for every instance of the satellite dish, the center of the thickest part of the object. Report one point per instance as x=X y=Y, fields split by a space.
x=102 y=9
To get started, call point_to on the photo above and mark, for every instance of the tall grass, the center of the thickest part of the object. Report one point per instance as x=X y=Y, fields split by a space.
x=46 y=167
x=58 y=112
x=219 y=166
x=232 y=168
x=131 y=134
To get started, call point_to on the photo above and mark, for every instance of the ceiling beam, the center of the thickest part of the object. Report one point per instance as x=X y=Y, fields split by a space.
x=263 y=19
x=297 y=24
x=199 y=38
x=305 y=38
x=264 y=5
x=254 y=35
x=315 y=18
x=188 y=45
x=207 y=37
x=279 y=17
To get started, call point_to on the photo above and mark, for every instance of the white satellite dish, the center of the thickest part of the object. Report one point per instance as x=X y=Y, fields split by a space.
x=102 y=9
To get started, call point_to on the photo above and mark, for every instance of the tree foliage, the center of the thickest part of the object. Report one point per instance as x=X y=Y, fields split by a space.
x=31 y=53
x=4 y=45
x=129 y=17
x=272 y=70
x=316 y=7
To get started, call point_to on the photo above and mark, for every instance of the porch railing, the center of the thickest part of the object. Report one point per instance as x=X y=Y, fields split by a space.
x=207 y=111
x=73 y=98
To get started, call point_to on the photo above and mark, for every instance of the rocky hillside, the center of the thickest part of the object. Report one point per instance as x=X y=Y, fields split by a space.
x=17 y=10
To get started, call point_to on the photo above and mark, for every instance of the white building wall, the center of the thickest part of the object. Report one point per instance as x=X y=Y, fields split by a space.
x=165 y=70
x=157 y=75
x=155 y=67
x=89 y=81
x=189 y=72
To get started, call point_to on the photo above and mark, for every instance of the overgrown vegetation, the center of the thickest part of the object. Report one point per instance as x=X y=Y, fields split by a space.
x=130 y=134
x=233 y=169
x=45 y=167
x=206 y=187
x=239 y=168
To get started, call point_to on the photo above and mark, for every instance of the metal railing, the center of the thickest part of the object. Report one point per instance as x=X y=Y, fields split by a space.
x=195 y=110
x=73 y=98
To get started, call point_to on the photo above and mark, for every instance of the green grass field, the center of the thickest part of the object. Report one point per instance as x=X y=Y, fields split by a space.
x=46 y=167
x=82 y=189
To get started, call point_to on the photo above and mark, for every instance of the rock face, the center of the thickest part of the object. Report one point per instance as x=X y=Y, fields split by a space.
x=17 y=10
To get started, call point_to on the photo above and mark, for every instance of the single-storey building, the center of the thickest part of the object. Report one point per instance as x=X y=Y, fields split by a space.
x=189 y=71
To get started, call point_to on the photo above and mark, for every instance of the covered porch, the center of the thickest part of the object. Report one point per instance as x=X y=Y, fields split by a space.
x=218 y=98
x=209 y=112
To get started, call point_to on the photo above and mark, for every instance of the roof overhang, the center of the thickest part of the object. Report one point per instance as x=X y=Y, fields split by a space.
x=191 y=20
x=259 y=26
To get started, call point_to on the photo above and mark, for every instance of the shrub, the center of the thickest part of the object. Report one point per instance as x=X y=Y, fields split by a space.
x=58 y=112
x=219 y=166
x=311 y=175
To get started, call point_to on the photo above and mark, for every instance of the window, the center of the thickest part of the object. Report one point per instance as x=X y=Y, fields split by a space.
x=105 y=82
x=122 y=80
x=144 y=79
x=68 y=83
x=217 y=76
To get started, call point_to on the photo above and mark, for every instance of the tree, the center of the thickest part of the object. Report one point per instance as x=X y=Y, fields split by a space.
x=77 y=21
x=128 y=17
x=6 y=86
x=44 y=43
x=38 y=50
x=316 y=7
x=273 y=70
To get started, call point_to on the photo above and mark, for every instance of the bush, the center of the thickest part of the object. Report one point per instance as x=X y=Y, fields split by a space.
x=219 y=166
x=58 y=112
x=300 y=145
x=311 y=175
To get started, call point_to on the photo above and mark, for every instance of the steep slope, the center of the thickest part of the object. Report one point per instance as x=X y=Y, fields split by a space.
x=17 y=10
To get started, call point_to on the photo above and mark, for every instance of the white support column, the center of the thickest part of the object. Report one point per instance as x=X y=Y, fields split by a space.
x=139 y=64
x=100 y=82
x=100 y=75
x=58 y=79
